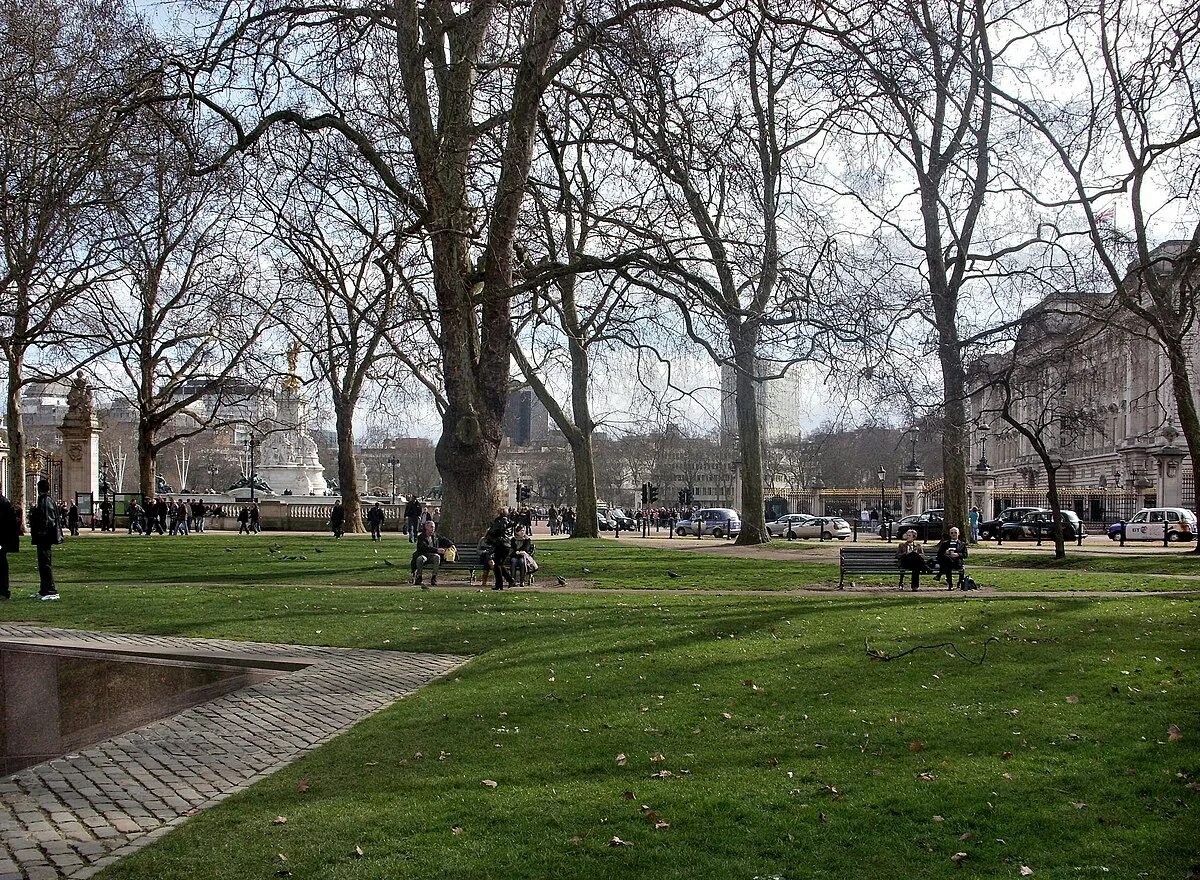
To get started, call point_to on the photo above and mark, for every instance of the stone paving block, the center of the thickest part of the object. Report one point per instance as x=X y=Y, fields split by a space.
x=113 y=798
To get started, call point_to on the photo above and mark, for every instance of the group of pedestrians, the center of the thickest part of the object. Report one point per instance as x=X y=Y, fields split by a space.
x=170 y=516
x=560 y=520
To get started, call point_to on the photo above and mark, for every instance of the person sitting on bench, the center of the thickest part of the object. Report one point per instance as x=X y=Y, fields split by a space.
x=429 y=554
x=951 y=554
x=910 y=556
x=498 y=541
x=522 y=560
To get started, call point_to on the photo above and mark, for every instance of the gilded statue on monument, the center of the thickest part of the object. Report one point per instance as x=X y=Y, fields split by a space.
x=291 y=383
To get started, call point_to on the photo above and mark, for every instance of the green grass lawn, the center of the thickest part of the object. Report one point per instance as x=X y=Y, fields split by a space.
x=787 y=751
x=563 y=684
x=230 y=559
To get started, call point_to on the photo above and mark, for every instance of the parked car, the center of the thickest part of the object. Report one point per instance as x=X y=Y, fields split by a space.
x=603 y=522
x=715 y=521
x=1041 y=523
x=804 y=525
x=927 y=525
x=1149 y=523
x=621 y=518
x=990 y=528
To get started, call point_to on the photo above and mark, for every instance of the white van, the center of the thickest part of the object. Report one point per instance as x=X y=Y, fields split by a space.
x=1149 y=523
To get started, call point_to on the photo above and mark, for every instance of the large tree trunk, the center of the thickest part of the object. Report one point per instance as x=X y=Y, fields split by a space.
x=754 y=515
x=1185 y=408
x=466 y=459
x=147 y=460
x=348 y=465
x=1060 y=547
x=16 y=443
x=586 y=524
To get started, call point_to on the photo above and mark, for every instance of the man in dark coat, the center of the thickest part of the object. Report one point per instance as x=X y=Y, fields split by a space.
x=44 y=532
x=375 y=521
x=337 y=519
x=10 y=540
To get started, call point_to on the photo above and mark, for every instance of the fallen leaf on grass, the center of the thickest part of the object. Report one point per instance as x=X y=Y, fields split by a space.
x=661 y=826
x=456 y=830
x=490 y=783
x=917 y=746
x=1072 y=699
x=926 y=776
x=279 y=820
x=628 y=796
x=621 y=759
x=657 y=759
x=1007 y=775
x=358 y=852
x=965 y=836
x=662 y=774
x=302 y=785
x=726 y=716
x=280 y=857
x=1006 y=756
x=938 y=819
x=1173 y=734
x=616 y=841
x=1079 y=805
x=1026 y=870
x=958 y=857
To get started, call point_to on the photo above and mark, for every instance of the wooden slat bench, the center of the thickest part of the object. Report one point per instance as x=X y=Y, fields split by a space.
x=471 y=561
x=869 y=560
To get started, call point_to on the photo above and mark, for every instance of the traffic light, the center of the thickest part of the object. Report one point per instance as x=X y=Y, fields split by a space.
x=653 y=492
x=523 y=492
x=683 y=496
x=645 y=492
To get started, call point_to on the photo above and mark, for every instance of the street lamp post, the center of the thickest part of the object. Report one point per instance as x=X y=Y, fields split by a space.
x=251 y=443
x=393 y=461
x=983 y=465
x=212 y=478
x=882 y=498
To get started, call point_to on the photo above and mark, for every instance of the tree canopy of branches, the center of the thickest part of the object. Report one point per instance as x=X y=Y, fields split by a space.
x=68 y=68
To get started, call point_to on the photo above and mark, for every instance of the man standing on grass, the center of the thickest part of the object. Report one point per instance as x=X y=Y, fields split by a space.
x=10 y=540
x=375 y=521
x=45 y=532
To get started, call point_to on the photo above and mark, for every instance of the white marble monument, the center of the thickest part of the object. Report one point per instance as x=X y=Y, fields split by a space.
x=288 y=460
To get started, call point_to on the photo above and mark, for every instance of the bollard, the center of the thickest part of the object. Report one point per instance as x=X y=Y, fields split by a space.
x=1079 y=535
x=854 y=529
x=1122 y=533
x=1166 y=535
x=999 y=534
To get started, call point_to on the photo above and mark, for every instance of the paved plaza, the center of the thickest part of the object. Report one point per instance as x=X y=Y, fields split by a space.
x=69 y=817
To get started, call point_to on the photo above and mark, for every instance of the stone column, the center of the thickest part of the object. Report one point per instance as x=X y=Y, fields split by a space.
x=983 y=491
x=80 y=431
x=912 y=491
x=1170 y=475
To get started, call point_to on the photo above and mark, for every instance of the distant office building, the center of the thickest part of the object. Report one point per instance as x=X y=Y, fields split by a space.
x=526 y=420
x=729 y=425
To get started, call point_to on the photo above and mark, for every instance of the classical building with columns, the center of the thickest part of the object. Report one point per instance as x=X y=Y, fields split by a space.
x=1096 y=386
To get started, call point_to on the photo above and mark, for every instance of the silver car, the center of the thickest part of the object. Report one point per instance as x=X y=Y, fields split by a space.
x=803 y=525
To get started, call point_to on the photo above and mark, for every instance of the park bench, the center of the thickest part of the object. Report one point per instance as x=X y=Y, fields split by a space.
x=868 y=560
x=470 y=560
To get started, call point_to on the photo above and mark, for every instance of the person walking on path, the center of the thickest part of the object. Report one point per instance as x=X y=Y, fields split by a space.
x=243 y=519
x=337 y=519
x=375 y=521
x=973 y=522
x=10 y=541
x=255 y=519
x=73 y=520
x=45 y=532
x=412 y=516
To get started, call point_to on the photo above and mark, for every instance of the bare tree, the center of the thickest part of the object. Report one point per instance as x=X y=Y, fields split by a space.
x=916 y=76
x=721 y=123
x=186 y=306
x=1034 y=389
x=1128 y=143
x=441 y=102
x=67 y=69
x=348 y=277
